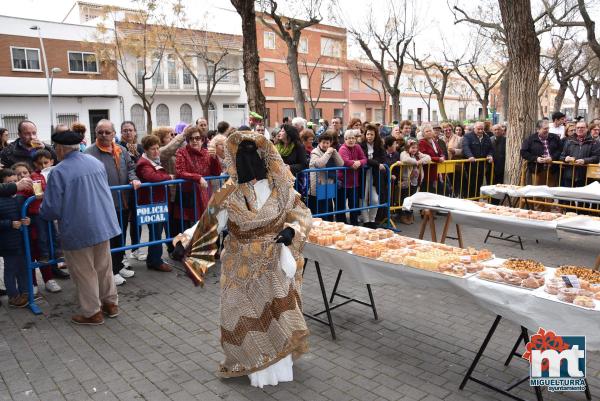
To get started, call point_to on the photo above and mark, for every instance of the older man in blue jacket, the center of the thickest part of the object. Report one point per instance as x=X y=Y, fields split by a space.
x=477 y=145
x=78 y=196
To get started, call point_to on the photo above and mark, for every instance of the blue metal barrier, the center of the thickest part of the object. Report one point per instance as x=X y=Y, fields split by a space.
x=214 y=182
x=333 y=192
x=329 y=197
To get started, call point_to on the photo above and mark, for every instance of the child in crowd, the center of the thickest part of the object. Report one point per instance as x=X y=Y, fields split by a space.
x=43 y=163
x=412 y=174
x=11 y=244
x=23 y=170
x=392 y=156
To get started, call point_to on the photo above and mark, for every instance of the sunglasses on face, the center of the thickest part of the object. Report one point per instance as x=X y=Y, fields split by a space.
x=173 y=134
x=195 y=138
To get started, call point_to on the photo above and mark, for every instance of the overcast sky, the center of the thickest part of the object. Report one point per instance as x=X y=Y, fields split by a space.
x=435 y=18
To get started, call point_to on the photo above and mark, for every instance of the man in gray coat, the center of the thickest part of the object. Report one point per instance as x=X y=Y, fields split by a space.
x=120 y=170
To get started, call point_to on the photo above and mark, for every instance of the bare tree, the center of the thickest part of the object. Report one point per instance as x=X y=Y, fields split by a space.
x=481 y=73
x=289 y=30
x=387 y=43
x=523 y=47
x=206 y=57
x=568 y=63
x=135 y=46
x=437 y=75
x=250 y=57
x=368 y=77
x=313 y=92
x=546 y=68
x=577 y=95
x=425 y=93
x=566 y=7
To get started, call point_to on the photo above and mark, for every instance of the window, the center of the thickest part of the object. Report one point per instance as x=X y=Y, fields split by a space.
x=434 y=116
x=303 y=46
x=162 y=115
x=11 y=122
x=140 y=73
x=157 y=78
x=410 y=114
x=269 y=39
x=289 y=113
x=332 y=81
x=67 y=118
x=25 y=59
x=269 y=79
x=83 y=62
x=185 y=113
x=331 y=47
x=304 y=81
x=138 y=116
x=316 y=114
x=355 y=84
x=172 y=72
x=187 y=78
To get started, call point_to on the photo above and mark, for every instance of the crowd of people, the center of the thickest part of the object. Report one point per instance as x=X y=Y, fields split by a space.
x=314 y=154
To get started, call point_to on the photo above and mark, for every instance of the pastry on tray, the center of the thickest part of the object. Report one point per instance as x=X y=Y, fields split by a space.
x=527 y=265
x=592 y=276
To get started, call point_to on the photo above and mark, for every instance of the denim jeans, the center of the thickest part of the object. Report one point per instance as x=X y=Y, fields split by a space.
x=155 y=251
x=15 y=275
x=45 y=233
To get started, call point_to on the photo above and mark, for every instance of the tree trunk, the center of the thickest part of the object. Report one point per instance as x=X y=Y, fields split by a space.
x=485 y=102
x=292 y=62
x=576 y=107
x=560 y=95
x=504 y=91
x=442 y=107
x=148 y=110
x=523 y=49
x=250 y=58
x=395 y=105
x=205 y=112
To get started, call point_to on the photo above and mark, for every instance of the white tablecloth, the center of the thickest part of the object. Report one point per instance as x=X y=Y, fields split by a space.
x=522 y=306
x=588 y=192
x=534 y=229
x=578 y=226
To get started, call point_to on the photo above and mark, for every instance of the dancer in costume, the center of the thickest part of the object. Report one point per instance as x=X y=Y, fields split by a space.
x=261 y=322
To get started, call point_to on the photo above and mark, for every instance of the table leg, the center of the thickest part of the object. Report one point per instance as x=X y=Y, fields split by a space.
x=424 y=221
x=597 y=263
x=446 y=227
x=523 y=337
x=335 y=286
x=432 y=226
x=459 y=236
x=329 y=321
x=479 y=354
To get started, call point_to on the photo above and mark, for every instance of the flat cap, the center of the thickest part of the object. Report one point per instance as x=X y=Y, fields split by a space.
x=67 y=138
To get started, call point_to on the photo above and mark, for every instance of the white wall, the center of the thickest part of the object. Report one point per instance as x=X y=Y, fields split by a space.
x=36 y=109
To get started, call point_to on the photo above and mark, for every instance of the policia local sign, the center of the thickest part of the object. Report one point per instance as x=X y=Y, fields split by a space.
x=150 y=214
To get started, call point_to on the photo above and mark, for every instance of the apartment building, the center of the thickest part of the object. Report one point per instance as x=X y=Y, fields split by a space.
x=83 y=88
x=366 y=94
x=323 y=71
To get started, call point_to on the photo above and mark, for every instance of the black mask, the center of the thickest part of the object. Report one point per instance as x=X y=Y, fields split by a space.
x=248 y=163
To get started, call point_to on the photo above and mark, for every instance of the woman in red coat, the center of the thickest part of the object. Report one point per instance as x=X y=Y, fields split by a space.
x=148 y=169
x=193 y=163
x=429 y=146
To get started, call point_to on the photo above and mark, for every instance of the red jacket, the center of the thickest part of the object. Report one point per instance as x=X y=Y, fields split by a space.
x=150 y=172
x=436 y=157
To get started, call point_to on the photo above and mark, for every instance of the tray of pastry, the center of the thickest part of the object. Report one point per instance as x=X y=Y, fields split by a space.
x=523 y=273
x=559 y=289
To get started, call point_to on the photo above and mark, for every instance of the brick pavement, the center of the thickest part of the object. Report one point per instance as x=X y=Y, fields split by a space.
x=165 y=345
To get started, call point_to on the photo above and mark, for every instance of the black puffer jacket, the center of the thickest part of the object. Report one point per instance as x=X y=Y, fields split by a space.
x=15 y=152
x=377 y=159
x=588 y=150
x=11 y=240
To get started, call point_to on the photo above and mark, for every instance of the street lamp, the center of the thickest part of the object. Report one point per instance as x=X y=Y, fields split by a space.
x=48 y=81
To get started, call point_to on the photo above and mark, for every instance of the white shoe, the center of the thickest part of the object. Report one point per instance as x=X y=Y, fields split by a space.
x=137 y=254
x=126 y=273
x=52 y=286
x=119 y=280
x=35 y=290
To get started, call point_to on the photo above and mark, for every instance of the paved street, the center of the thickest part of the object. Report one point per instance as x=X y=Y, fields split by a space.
x=165 y=345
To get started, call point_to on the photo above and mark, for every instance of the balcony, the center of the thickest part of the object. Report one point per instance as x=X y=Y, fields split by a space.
x=365 y=95
x=229 y=85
